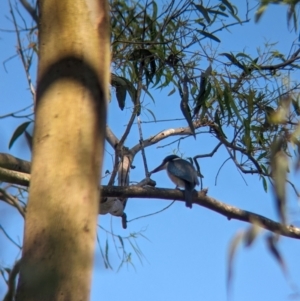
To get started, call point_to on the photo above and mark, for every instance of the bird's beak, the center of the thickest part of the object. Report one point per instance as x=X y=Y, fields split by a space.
x=158 y=168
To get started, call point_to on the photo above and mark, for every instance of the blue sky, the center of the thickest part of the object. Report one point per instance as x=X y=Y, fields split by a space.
x=186 y=251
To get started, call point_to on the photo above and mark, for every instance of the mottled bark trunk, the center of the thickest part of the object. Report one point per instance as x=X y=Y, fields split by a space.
x=73 y=80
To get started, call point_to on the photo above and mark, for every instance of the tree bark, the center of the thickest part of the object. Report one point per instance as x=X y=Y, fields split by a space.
x=72 y=89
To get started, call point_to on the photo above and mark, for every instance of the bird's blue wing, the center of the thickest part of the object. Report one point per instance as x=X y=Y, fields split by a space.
x=184 y=170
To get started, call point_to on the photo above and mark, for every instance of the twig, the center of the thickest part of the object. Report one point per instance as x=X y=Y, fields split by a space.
x=115 y=170
x=142 y=148
x=209 y=154
x=30 y=10
x=184 y=131
x=20 y=50
x=16 y=112
x=12 y=201
x=128 y=128
x=219 y=170
x=150 y=214
x=9 y=238
x=10 y=295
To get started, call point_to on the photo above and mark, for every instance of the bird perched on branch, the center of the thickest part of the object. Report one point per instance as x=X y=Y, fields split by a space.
x=182 y=173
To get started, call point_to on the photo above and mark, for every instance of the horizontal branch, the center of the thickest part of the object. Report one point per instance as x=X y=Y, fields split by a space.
x=184 y=131
x=13 y=163
x=200 y=199
x=14 y=177
x=203 y=200
x=294 y=57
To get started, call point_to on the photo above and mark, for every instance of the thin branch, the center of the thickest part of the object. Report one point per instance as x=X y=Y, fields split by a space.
x=150 y=214
x=111 y=137
x=6 y=197
x=137 y=104
x=30 y=10
x=12 y=278
x=219 y=170
x=163 y=120
x=243 y=74
x=243 y=151
x=16 y=112
x=9 y=238
x=293 y=58
x=175 y=141
x=115 y=170
x=13 y=163
x=143 y=148
x=209 y=154
x=294 y=188
x=128 y=128
x=14 y=177
x=20 y=51
x=165 y=134
x=113 y=141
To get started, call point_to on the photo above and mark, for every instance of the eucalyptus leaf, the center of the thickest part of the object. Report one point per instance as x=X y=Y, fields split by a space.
x=18 y=132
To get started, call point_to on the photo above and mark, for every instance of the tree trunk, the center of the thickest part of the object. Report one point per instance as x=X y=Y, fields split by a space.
x=72 y=88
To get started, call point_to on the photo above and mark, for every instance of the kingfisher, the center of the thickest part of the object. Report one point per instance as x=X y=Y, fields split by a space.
x=182 y=173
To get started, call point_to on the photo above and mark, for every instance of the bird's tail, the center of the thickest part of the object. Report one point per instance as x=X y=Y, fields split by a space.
x=188 y=193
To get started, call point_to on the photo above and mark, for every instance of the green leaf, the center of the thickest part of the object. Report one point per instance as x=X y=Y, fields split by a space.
x=194 y=89
x=217 y=12
x=121 y=241
x=209 y=35
x=251 y=234
x=296 y=107
x=208 y=71
x=233 y=60
x=260 y=11
x=219 y=128
x=203 y=11
x=172 y=91
x=152 y=67
x=154 y=13
x=279 y=169
x=241 y=54
x=265 y=184
x=247 y=138
x=235 y=242
x=219 y=95
x=149 y=94
x=264 y=169
x=121 y=96
x=151 y=114
x=262 y=155
x=159 y=74
x=271 y=241
x=249 y=98
x=234 y=107
x=18 y=132
x=227 y=101
x=222 y=7
x=122 y=83
x=106 y=255
x=28 y=139
x=229 y=6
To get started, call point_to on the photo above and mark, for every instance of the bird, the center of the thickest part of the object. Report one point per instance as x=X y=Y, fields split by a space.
x=182 y=173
